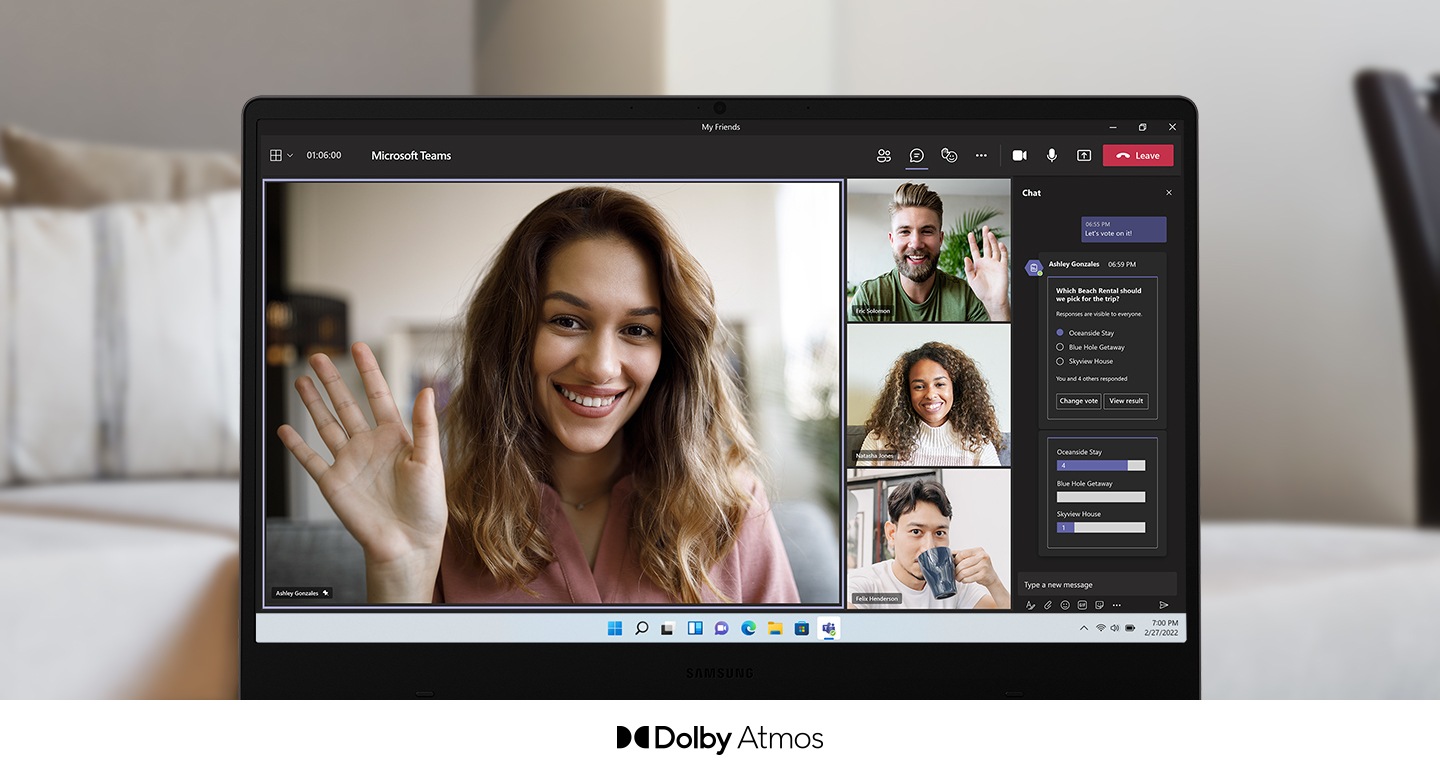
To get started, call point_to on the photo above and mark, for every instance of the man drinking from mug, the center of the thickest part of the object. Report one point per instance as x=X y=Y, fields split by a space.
x=919 y=520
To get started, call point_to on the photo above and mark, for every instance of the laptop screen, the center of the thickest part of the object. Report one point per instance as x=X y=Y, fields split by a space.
x=715 y=378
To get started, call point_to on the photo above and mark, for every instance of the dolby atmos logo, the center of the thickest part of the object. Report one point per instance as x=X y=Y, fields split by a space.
x=701 y=738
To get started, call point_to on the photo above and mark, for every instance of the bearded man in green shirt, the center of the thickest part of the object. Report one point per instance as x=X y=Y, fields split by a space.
x=917 y=291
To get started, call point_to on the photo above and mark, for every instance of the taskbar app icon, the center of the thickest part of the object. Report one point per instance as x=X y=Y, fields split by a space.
x=829 y=629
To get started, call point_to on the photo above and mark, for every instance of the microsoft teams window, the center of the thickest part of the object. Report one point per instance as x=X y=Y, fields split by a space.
x=723 y=381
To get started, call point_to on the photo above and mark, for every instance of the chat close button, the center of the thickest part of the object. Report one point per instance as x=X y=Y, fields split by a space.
x=1138 y=155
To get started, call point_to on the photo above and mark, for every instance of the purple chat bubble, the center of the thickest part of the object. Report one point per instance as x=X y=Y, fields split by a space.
x=1122 y=230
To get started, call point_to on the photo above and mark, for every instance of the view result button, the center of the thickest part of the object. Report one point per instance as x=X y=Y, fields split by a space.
x=1127 y=400
x=1138 y=155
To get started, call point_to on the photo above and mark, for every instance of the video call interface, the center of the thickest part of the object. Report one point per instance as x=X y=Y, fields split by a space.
x=723 y=381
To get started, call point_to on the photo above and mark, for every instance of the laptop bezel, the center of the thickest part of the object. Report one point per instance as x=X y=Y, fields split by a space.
x=646 y=671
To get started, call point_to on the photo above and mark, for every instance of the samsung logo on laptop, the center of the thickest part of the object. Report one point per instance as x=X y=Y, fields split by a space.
x=700 y=738
x=711 y=673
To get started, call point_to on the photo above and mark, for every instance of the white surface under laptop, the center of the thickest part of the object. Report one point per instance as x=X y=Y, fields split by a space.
x=1301 y=610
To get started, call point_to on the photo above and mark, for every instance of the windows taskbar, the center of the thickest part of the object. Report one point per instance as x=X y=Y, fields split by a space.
x=672 y=627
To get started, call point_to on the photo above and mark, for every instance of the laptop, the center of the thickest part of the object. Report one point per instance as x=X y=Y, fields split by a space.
x=719 y=397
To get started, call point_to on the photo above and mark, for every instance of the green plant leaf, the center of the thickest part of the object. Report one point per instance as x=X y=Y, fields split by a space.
x=957 y=247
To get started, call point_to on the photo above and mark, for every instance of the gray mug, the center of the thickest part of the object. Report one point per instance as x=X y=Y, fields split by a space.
x=939 y=571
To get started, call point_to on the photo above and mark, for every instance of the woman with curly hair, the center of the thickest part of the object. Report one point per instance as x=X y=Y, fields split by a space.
x=934 y=410
x=595 y=448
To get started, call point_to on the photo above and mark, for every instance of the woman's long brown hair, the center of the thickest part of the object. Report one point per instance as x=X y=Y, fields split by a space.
x=688 y=445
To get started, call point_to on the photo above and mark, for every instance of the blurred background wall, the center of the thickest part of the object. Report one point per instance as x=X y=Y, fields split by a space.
x=1305 y=403
x=177 y=74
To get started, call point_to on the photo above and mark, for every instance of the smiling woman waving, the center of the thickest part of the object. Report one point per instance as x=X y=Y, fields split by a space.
x=595 y=450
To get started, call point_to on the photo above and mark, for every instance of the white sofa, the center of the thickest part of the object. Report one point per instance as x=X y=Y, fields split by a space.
x=119 y=589
x=119 y=422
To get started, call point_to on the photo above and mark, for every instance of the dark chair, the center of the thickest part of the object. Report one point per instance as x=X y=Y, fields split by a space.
x=1405 y=145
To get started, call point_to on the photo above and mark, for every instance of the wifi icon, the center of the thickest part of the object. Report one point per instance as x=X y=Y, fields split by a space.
x=1099 y=626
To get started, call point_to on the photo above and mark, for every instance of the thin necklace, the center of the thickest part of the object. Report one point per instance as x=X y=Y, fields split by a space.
x=580 y=506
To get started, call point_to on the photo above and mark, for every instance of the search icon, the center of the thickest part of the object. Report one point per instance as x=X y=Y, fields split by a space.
x=641 y=627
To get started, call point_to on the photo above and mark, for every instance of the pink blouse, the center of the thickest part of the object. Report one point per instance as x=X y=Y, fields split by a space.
x=756 y=567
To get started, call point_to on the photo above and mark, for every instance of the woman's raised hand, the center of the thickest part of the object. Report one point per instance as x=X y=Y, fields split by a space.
x=387 y=487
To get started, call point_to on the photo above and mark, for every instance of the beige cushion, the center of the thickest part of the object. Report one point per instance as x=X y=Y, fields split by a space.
x=73 y=174
x=120 y=330
x=51 y=376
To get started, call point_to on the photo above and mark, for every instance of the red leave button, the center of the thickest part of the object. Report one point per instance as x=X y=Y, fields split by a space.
x=1139 y=155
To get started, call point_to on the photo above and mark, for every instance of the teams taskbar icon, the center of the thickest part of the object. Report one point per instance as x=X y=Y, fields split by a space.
x=825 y=629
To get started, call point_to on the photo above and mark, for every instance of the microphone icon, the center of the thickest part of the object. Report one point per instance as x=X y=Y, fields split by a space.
x=1051 y=156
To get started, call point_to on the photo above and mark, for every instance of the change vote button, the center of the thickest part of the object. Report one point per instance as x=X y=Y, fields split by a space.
x=1077 y=401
